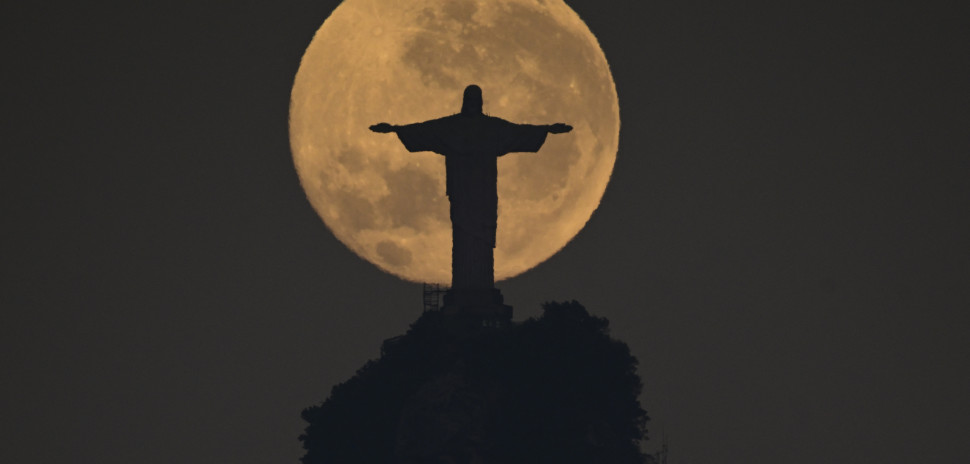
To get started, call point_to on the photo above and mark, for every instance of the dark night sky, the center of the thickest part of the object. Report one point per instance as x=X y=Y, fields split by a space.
x=783 y=244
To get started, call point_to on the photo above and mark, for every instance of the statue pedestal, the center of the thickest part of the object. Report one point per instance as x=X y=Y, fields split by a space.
x=485 y=305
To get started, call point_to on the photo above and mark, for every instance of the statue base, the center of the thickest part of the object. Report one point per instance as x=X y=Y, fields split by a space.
x=485 y=305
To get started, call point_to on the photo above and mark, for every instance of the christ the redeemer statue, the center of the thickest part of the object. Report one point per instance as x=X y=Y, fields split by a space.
x=471 y=143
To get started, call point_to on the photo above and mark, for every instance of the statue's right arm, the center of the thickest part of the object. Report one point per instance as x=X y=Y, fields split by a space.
x=383 y=128
x=415 y=137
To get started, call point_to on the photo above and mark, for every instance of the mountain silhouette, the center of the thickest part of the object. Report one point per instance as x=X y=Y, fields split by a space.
x=556 y=388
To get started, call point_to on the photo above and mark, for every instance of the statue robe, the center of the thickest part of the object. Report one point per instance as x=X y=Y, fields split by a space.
x=471 y=145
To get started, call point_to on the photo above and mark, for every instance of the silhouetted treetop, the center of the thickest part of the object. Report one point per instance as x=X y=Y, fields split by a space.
x=552 y=389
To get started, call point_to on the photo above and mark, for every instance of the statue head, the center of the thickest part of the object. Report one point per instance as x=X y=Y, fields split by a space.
x=472 y=102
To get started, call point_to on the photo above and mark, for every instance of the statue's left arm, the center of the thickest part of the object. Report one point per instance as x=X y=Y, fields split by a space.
x=559 y=128
x=529 y=137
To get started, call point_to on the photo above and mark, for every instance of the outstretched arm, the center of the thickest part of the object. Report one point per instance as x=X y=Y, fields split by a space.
x=420 y=136
x=559 y=128
x=383 y=128
x=528 y=138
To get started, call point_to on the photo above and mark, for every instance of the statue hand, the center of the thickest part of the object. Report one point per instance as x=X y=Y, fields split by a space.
x=382 y=128
x=560 y=128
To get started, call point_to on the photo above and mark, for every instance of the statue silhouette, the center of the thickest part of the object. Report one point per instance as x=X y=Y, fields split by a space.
x=471 y=143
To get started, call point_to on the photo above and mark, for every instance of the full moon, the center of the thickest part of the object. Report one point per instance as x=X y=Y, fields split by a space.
x=408 y=61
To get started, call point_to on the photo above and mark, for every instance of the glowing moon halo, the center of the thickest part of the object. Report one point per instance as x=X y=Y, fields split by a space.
x=408 y=61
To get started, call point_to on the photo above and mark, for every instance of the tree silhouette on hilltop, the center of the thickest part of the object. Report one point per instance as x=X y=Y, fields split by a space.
x=553 y=389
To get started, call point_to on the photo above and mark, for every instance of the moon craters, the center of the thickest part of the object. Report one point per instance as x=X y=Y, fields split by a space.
x=537 y=64
x=392 y=254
